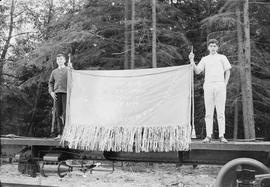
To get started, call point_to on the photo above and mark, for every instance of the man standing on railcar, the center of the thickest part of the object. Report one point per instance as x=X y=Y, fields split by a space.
x=217 y=73
x=58 y=91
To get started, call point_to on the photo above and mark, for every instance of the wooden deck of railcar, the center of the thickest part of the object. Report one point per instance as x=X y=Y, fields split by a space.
x=195 y=144
x=199 y=153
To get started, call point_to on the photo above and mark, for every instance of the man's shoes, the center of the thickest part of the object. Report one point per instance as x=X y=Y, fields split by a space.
x=223 y=140
x=207 y=139
x=58 y=137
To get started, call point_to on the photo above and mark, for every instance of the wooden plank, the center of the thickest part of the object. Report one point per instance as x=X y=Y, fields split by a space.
x=30 y=141
x=195 y=145
x=232 y=146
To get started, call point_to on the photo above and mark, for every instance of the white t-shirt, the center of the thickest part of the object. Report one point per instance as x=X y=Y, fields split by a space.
x=214 y=67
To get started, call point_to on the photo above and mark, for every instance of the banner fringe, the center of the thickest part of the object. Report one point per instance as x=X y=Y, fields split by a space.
x=128 y=139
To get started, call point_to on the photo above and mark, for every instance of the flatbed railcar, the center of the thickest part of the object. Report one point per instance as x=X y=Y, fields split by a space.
x=235 y=154
x=199 y=153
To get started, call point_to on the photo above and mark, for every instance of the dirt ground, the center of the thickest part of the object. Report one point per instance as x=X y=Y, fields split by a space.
x=127 y=175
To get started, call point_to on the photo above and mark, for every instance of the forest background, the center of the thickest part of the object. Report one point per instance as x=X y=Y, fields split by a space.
x=118 y=34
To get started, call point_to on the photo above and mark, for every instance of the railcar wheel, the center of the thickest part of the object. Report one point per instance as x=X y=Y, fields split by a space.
x=227 y=175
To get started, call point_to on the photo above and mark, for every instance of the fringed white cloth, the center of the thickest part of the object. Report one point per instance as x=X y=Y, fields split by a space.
x=129 y=110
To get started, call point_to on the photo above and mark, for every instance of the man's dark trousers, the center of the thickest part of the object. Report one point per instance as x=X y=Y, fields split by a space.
x=60 y=111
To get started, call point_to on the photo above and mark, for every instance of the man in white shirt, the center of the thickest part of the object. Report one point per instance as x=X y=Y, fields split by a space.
x=217 y=73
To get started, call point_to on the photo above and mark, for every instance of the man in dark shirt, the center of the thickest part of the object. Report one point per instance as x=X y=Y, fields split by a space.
x=58 y=91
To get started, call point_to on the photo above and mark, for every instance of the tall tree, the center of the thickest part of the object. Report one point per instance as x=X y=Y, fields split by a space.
x=249 y=127
x=95 y=33
x=154 y=34
x=127 y=33
x=4 y=52
x=241 y=70
x=10 y=32
x=133 y=34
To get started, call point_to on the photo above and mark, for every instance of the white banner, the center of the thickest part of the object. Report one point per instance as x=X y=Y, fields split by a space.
x=129 y=110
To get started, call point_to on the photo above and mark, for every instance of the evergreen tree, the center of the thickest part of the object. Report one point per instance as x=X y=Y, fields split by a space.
x=98 y=35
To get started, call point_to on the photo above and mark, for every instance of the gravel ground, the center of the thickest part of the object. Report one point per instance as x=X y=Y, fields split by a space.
x=129 y=175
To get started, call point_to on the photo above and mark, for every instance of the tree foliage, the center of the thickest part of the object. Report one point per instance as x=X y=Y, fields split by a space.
x=93 y=31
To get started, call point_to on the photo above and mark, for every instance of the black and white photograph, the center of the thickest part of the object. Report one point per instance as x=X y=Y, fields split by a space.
x=135 y=93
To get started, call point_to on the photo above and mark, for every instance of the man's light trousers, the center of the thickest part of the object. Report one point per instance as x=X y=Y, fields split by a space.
x=214 y=97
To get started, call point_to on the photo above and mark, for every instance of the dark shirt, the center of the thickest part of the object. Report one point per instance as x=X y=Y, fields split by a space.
x=58 y=80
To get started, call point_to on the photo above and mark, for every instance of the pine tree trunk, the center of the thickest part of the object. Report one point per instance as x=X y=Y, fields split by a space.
x=241 y=65
x=235 y=129
x=250 y=127
x=245 y=72
x=127 y=34
x=132 y=34
x=47 y=23
x=154 y=36
x=10 y=31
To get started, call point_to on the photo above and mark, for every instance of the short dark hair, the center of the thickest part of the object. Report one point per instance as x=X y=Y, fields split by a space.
x=212 y=41
x=60 y=54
